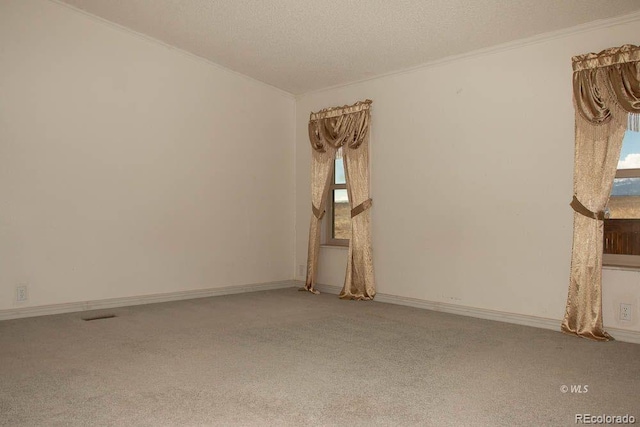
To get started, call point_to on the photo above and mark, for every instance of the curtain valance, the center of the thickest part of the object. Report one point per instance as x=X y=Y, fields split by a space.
x=616 y=71
x=338 y=126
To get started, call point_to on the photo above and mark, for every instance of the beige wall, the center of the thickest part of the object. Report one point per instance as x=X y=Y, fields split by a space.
x=471 y=179
x=129 y=168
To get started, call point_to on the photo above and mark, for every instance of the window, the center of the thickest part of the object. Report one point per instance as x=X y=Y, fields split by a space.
x=622 y=223
x=338 y=225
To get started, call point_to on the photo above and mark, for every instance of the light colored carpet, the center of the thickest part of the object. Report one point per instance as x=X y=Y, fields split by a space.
x=285 y=357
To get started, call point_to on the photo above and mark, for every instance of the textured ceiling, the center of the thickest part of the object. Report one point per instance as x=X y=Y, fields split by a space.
x=303 y=45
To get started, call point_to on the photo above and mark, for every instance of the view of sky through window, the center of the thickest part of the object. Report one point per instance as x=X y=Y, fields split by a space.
x=629 y=159
x=630 y=154
x=624 y=202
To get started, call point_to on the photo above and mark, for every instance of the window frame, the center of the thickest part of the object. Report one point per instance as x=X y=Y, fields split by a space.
x=329 y=224
x=620 y=260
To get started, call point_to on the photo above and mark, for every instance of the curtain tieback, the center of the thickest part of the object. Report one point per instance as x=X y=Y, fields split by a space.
x=583 y=210
x=317 y=212
x=361 y=208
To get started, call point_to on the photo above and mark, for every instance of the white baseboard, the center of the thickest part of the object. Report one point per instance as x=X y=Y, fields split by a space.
x=44 y=310
x=481 y=313
x=624 y=335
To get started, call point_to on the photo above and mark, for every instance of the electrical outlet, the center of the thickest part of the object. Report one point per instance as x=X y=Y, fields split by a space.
x=625 y=312
x=302 y=270
x=21 y=293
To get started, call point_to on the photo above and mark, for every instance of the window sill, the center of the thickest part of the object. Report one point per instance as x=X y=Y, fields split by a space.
x=620 y=267
x=621 y=262
x=334 y=246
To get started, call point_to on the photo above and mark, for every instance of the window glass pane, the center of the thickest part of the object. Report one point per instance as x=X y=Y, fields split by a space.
x=630 y=153
x=625 y=199
x=625 y=193
x=622 y=228
x=625 y=187
x=339 y=175
x=341 y=215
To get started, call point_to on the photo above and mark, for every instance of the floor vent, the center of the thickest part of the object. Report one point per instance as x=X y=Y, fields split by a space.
x=102 y=316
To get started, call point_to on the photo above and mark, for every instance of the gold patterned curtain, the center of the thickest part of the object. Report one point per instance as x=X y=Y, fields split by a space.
x=605 y=90
x=329 y=130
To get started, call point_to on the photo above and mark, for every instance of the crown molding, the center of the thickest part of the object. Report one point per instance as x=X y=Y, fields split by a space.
x=491 y=50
